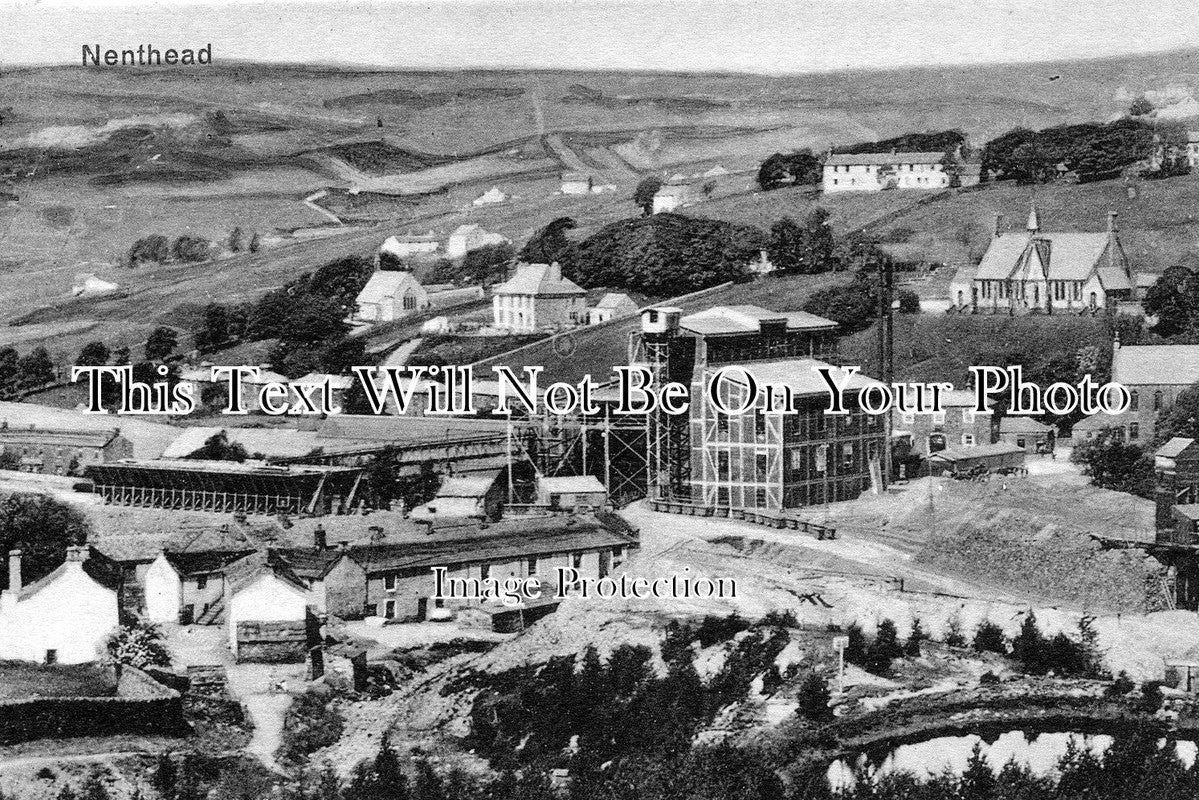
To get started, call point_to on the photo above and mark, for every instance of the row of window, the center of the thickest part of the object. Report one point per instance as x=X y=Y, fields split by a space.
x=1134 y=401
x=532 y=568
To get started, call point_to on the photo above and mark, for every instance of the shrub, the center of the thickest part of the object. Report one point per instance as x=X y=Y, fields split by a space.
x=814 y=699
x=1151 y=697
x=909 y=302
x=855 y=651
x=1120 y=687
x=911 y=647
x=884 y=649
x=989 y=638
x=311 y=722
x=988 y=678
x=138 y=645
x=953 y=632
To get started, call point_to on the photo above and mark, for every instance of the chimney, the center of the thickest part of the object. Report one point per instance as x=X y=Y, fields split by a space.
x=1111 y=222
x=319 y=539
x=375 y=531
x=555 y=272
x=14 y=570
x=1112 y=230
x=998 y=225
x=78 y=554
x=343 y=546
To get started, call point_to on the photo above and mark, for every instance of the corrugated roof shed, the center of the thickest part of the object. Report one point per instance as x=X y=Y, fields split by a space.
x=748 y=319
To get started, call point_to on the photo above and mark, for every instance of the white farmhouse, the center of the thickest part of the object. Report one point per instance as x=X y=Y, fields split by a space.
x=389 y=296
x=63 y=618
x=408 y=245
x=470 y=237
x=538 y=297
x=490 y=197
x=266 y=610
x=613 y=305
x=874 y=172
x=673 y=195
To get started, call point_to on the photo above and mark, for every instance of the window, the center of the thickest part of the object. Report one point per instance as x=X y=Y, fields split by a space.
x=1157 y=401
x=759 y=423
x=722 y=423
x=938 y=417
x=1134 y=430
x=760 y=498
x=51 y=656
x=1134 y=402
x=909 y=418
x=761 y=466
x=722 y=465
x=201 y=583
x=389 y=609
x=847 y=455
x=576 y=560
x=389 y=583
x=532 y=565
x=968 y=440
x=1020 y=441
x=722 y=496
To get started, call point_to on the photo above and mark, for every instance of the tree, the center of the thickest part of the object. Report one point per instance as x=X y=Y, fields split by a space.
x=93 y=354
x=255 y=243
x=214 y=328
x=35 y=369
x=989 y=638
x=10 y=371
x=1029 y=647
x=1140 y=107
x=1112 y=463
x=785 y=169
x=155 y=248
x=139 y=645
x=483 y=263
x=911 y=648
x=549 y=244
x=42 y=528
x=814 y=698
x=161 y=343
x=643 y=195
x=978 y=779
x=884 y=649
x=218 y=448
x=191 y=249
x=120 y=356
x=786 y=244
x=237 y=240
x=1174 y=300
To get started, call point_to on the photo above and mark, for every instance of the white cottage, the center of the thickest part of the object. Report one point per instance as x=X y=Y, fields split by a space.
x=874 y=172
x=408 y=245
x=470 y=237
x=187 y=587
x=613 y=305
x=390 y=295
x=63 y=618
x=269 y=598
x=538 y=297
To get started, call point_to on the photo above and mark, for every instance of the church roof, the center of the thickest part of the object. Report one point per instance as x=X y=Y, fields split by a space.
x=1071 y=256
x=384 y=285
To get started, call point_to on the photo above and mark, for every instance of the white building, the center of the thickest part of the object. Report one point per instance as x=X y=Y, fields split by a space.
x=1022 y=271
x=874 y=172
x=490 y=197
x=471 y=495
x=570 y=492
x=1193 y=149
x=64 y=618
x=470 y=237
x=408 y=245
x=187 y=587
x=673 y=195
x=613 y=305
x=259 y=593
x=538 y=297
x=389 y=296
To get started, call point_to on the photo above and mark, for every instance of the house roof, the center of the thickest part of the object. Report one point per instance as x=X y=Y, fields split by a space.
x=977 y=451
x=55 y=437
x=801 y=376
x=1018 y=424
x=245 y=571
x=615 y=300
x=386 y=285
x=1099 y=421
x=203 y=562
x=475 y=543
x=308 y=563
x=719 y=320
x=1188 y=510
x=1156 y=364
x=472 y=486
x=1070 y=256
x=843 y=159
x=1174 y=447
x=572 y=484
x=541 y=280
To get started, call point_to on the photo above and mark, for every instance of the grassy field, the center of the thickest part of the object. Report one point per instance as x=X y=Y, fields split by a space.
x=19 y=679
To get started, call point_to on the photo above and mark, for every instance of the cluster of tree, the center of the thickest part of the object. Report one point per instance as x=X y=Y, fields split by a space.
x=853 y=305
x=311 y=722
x=1113 y=463
x=876 y=654
x=238 y=243
x=306 y=317
x=23 y=373
x=935 y=142
x=42 y=528
x=808 y=248
x=1174 y=300
x=218 y=448
x=386 y=485
x=484 y=265
x=1038 y=654
x=1092 y=150
x=158 y=249
x=797 y=168
x=662 y=254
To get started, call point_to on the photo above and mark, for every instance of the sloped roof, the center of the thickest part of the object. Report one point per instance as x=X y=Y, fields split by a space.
x=748 y=319
x=614 y=300
x=245 y=571
x=1071 y=256
x=1188 y=510
x=308 y=563
x=473 y=486
x=572 y=484
x=56 y=437
x=542 y=280
x=385 y=285
x=203 y=562
x=1017 y=424
x=842 y=159
x=1099 y=421
x=1174 y=447
x=977 y=451
x=800 y=375
x=501 y=541
x=1156 y=364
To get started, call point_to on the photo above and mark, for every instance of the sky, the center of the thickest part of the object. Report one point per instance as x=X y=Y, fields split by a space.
x=767 y=36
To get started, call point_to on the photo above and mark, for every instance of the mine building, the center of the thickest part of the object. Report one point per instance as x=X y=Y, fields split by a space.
x=228 y=486
x=764 y=459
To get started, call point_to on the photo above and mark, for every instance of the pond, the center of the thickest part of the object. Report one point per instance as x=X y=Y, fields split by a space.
x=1039 y=751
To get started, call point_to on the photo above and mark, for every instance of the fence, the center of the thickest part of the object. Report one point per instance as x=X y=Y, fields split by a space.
x=769 y=519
